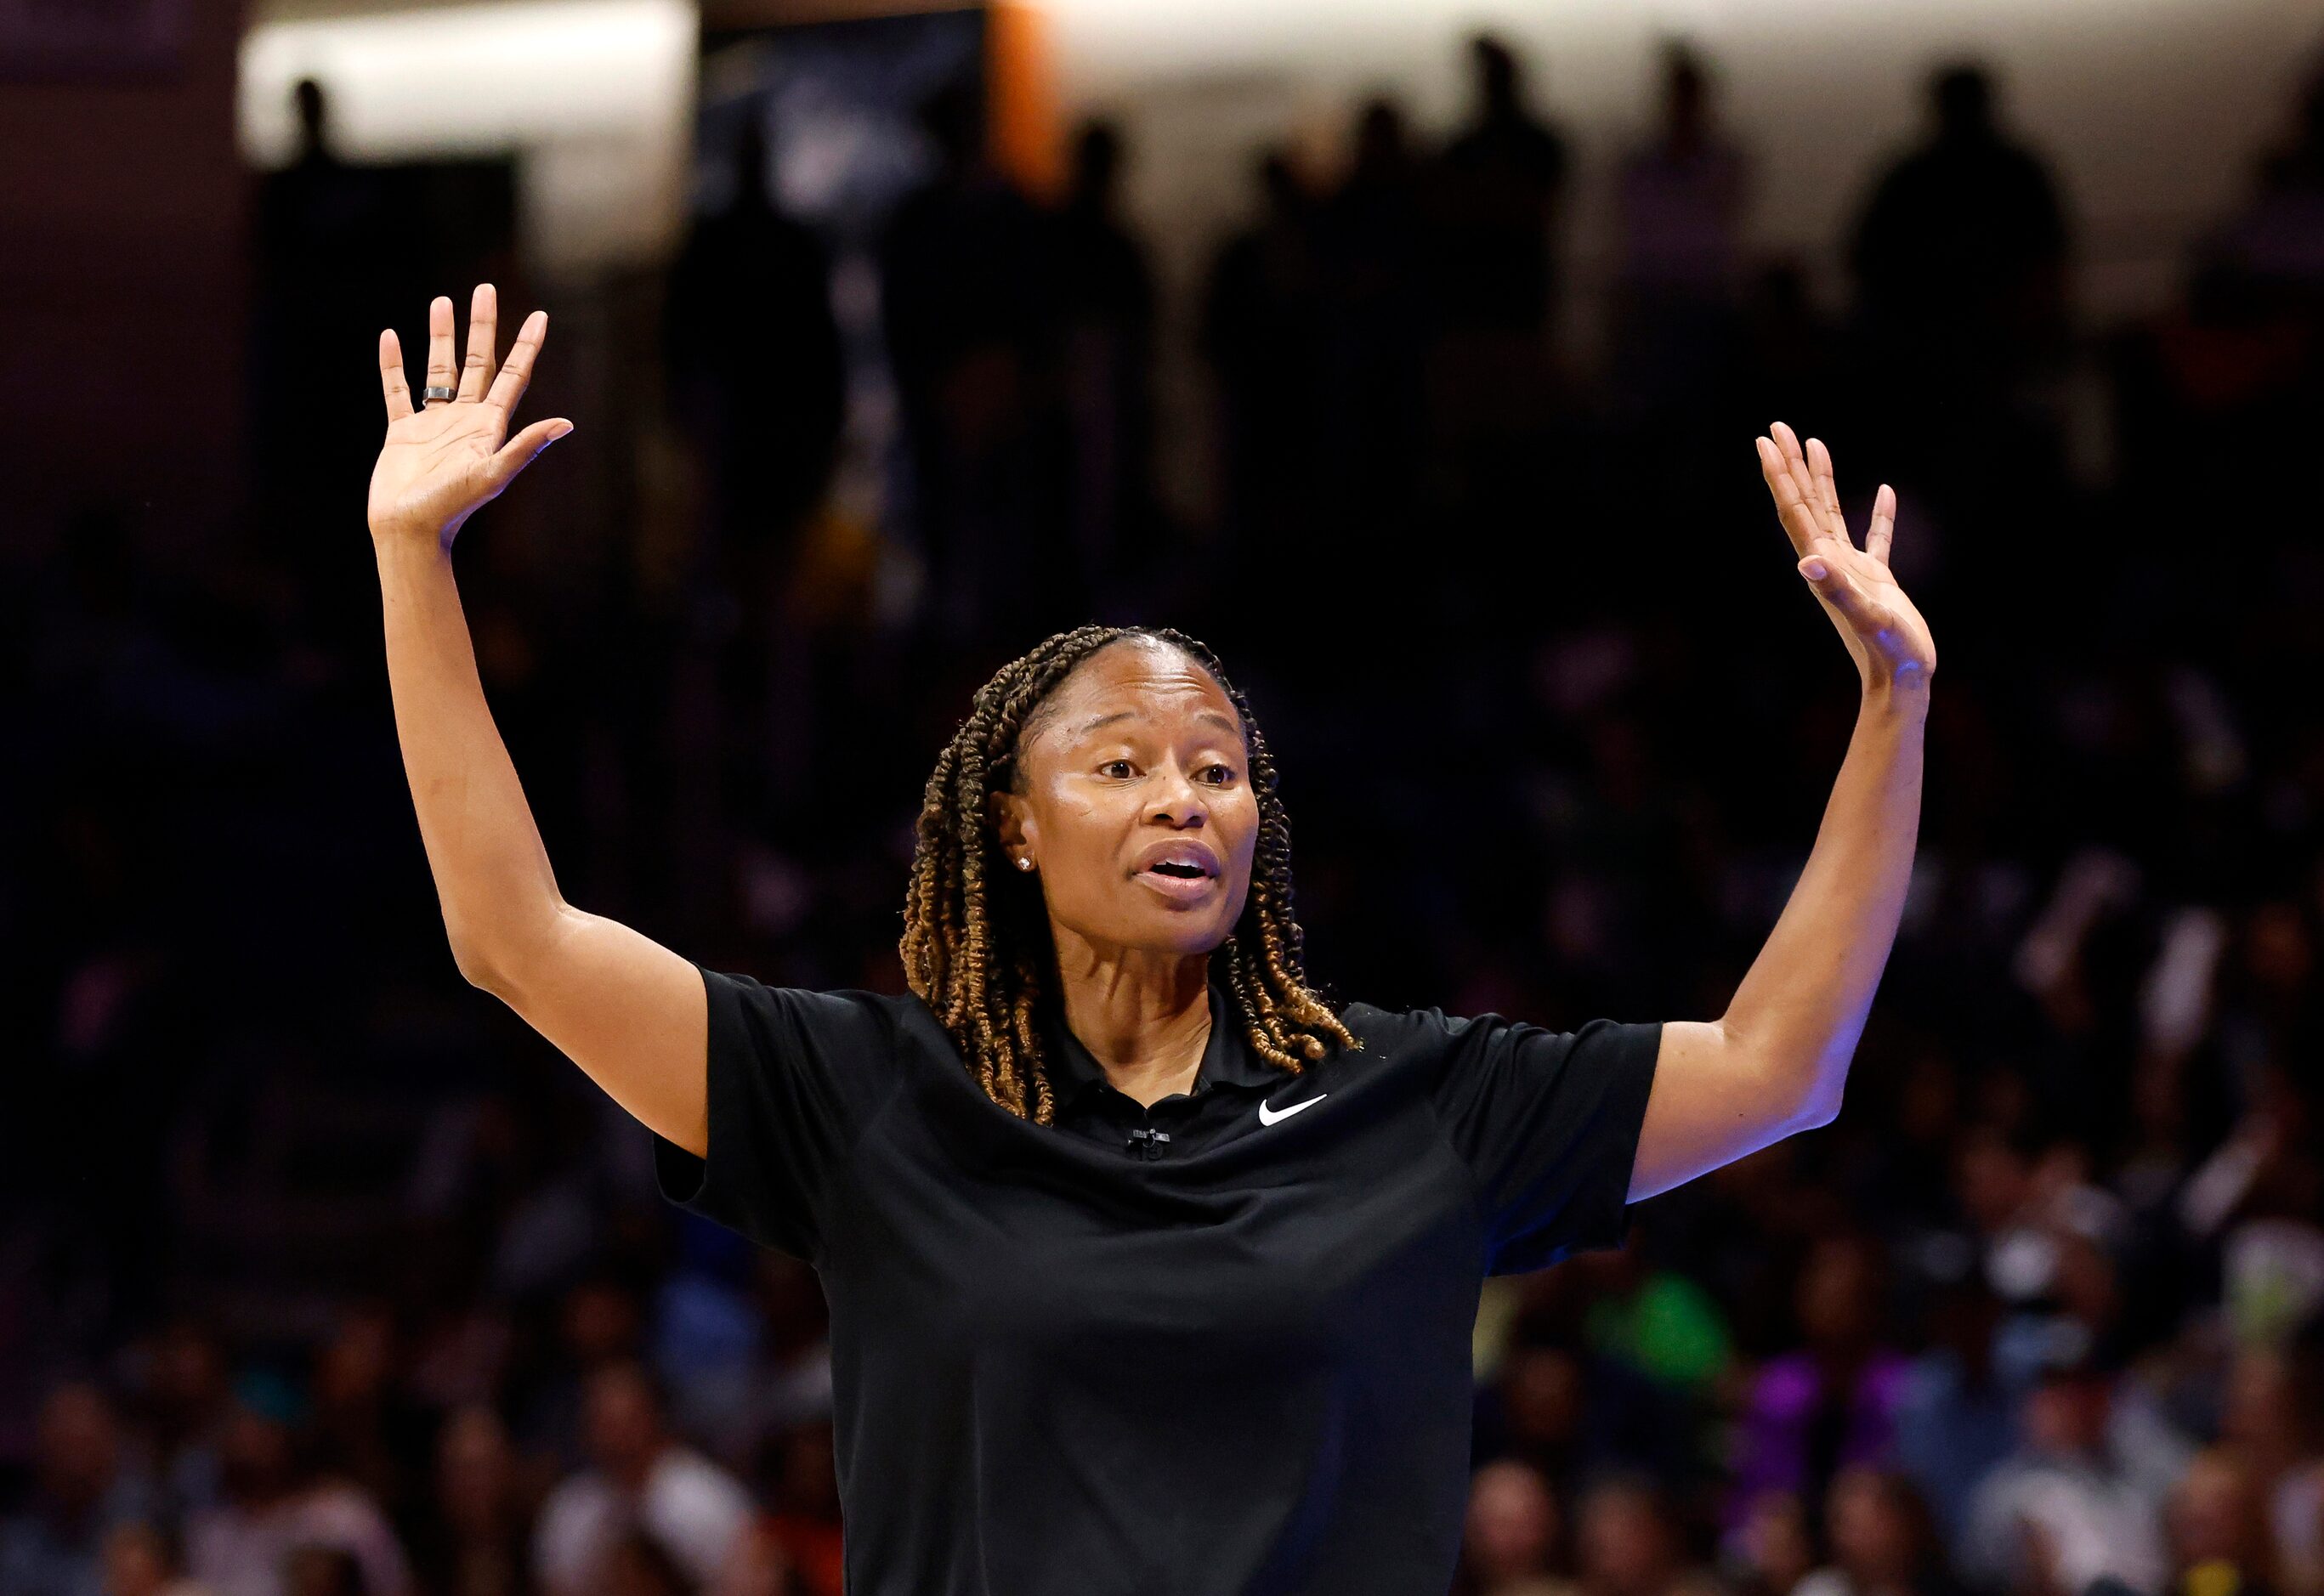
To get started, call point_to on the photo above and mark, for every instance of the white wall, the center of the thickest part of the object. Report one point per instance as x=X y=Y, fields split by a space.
x=596 y=97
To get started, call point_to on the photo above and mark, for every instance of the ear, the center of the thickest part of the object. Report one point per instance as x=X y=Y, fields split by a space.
x=1013 y=827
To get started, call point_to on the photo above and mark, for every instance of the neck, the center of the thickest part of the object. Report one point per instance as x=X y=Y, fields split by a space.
x=1144 y=1015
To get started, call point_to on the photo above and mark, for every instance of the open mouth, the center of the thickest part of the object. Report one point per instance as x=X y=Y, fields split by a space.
x=1184 y=872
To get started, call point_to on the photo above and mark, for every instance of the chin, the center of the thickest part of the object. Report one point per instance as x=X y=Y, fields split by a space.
x=1186 y=936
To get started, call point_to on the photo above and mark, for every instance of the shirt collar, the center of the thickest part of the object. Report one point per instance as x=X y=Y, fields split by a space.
x=1227 y=1058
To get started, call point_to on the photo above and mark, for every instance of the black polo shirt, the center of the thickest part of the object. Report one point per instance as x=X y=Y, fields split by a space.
x=1086 y=1360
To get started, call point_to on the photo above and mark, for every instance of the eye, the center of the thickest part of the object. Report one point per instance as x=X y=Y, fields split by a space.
x=1110 y=764
x=1225 y=774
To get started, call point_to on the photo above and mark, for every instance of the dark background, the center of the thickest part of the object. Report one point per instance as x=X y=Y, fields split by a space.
x=320 y=1271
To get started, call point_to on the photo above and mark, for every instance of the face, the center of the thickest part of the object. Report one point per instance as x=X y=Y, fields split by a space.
x=2210 y=1513
x=1870 y=1534
x=625 y=1429
x=1623 y=1545
x=77 y=1442
x=472 y=1469
x=1512 y=1518
x=1135 y=804
x=134 y=1563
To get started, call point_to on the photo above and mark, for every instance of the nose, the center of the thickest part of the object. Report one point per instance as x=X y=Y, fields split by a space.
x=1177 y=799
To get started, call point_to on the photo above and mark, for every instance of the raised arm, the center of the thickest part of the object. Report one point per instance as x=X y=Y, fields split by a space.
x=1776 y=1061
x=629 y=1011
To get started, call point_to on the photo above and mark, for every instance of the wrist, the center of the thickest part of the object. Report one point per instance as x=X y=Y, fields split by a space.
x=403 y=549
x=1902 y=695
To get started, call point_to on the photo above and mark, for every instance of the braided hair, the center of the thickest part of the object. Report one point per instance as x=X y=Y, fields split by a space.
x=976 y=945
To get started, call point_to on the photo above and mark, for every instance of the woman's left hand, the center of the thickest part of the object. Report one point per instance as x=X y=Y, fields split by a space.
x=1884 y=631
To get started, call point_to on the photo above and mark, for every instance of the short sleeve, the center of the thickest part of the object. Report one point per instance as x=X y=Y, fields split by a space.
x=794 y=1075
x=1548 y=1123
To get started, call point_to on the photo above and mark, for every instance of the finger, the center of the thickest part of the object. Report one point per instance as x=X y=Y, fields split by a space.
x=483 y=315
x=391 y=376
x=516 y=375
x=1828 y=490
x=1799 y=522
x=440 y=371
x=1795 y=460
x=1788 y=441
x=1834 y=584
x=525 y=448
x=1882 y=529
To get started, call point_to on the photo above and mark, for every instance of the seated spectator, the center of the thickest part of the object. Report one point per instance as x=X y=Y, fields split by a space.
x=140 y=1560
x=802 y=1477
x=1656 y=1320
x=1512 y=1526
x=637 y=1564
x=761 y=1567
x=639 y=1479
x=2064 y=1501
x=1571 y=1415
x=2270 y=1418
x=2216 y=1526
x=185 y=1400
x=1774 y=1549
x=321 y=1571
x=1833 y=1402
x=272 y=1506
x=1627 y=1546
x=1956 y=1417
x=80 y=1494
x=472 y=1540
x=1883 y=1539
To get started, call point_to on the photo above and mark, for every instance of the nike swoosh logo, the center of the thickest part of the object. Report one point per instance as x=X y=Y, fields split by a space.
x=1267 y=1116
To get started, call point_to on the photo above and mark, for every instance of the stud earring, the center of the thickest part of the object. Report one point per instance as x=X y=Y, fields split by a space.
x=1024 y=865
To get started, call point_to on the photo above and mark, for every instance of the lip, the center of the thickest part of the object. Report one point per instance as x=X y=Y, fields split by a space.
x=1179 y=889
x=1190 y=849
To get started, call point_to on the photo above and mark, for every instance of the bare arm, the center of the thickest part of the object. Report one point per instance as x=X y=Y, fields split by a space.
x=1778 y=1060
x=629 y=1011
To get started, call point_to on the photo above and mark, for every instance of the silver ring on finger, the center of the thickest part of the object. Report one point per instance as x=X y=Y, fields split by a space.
x=431 y=394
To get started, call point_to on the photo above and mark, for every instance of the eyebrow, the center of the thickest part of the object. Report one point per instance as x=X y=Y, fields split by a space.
x=1213 y=716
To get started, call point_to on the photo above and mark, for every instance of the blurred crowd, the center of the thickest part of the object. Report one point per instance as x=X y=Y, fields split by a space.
x=321 y=1275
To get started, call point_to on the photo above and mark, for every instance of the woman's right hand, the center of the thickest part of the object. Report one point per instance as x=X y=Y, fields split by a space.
x=445 y=459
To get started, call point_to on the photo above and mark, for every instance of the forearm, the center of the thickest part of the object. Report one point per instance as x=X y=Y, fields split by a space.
x=493 y=876
x=1801 y=1006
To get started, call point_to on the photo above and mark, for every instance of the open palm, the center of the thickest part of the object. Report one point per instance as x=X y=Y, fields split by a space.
x=444 y=460
x=1884 y=631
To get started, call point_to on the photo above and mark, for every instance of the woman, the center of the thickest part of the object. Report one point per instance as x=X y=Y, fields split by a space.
x=1147 y=1270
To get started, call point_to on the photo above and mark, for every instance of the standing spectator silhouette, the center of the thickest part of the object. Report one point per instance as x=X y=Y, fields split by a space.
x=1105 y=295
x=968 y=293
x=1370 y=237
x=1959 y=259
x=1680 y=201
x=754 y=360
x=2279 y=236
x=1260 y=333
x=1494 y=203
x=335 y=240
x=1503 y=178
